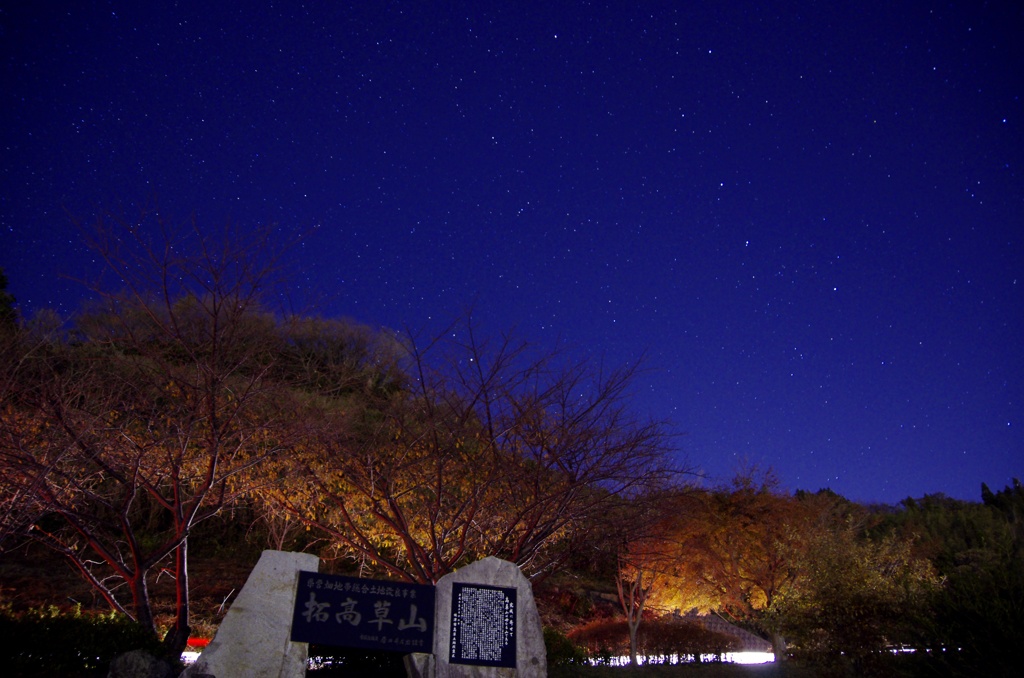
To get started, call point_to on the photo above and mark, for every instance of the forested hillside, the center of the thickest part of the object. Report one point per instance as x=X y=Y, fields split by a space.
x=182 y=418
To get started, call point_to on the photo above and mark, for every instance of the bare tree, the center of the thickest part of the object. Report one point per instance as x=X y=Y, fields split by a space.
x=125 y=433
x=489 y=449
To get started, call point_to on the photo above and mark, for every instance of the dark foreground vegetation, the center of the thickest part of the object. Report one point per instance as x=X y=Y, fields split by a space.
x=152 y=445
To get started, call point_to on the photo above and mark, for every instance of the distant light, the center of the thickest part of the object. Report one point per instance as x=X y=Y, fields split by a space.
x=728 y=657
x=750 y=657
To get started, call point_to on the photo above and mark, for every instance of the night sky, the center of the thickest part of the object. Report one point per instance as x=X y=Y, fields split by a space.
x=809 y=219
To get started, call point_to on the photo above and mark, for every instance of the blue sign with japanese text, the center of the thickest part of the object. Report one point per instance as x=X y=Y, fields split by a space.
x=364 y=613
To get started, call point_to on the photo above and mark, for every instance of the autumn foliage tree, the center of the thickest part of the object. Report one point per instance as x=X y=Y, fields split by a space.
x=176 y=393
x=801 y=569
x=738 y=550
x=650 y=564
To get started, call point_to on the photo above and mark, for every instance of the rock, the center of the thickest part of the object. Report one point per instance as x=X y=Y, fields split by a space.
x=531 y=654
x=419 y=665
x=254 y=640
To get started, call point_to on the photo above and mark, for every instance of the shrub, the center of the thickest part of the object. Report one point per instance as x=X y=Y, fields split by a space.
x=49 y=642
x=604 y=637
x=673 y=641
x=660 y=640
x=561 y=651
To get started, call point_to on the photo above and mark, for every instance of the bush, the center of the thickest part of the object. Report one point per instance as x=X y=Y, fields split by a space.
x=674 y=641
x=48 y=642
x=561 y=651
x=660 y=640
x=605 y=637
x=978 y=625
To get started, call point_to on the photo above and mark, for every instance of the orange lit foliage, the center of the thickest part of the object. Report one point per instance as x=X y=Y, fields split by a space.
x=738 y=551
x=489 y=450
x=649 y=567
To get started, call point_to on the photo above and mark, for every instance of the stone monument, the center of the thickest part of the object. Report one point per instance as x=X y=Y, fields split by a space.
x=486 y=625
x=254 y=640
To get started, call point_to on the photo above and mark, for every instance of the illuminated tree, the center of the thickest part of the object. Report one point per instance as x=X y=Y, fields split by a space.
x=798 y=567
x=489 y=450
x=119 y=436
x=649 y=566
x=738 y=551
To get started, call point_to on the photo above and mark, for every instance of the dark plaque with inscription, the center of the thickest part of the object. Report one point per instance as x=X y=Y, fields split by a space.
x=374 y=615
x=483 y=631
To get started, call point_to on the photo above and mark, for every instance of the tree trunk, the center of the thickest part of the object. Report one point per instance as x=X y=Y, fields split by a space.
x=633 y=626
x=779 y=646
x=140 y=598
x=177 y=636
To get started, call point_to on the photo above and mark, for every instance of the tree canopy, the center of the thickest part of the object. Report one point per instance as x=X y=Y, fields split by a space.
x=179 y=393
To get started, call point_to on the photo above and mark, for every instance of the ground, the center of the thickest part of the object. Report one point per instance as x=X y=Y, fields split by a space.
x=685 y=671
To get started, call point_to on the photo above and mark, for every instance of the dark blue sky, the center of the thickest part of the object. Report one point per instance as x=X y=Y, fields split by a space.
x=810 y=219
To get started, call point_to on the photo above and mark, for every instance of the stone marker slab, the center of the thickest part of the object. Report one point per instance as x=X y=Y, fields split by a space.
x=484 y=595
x=254 y=640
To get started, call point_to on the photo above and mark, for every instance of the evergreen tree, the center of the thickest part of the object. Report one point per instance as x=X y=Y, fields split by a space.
x=8 y=314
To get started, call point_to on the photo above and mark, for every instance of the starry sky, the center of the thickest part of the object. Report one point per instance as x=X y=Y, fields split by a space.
x=808 y=217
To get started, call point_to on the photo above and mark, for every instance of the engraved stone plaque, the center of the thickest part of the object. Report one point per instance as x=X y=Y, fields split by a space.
x=483 y=625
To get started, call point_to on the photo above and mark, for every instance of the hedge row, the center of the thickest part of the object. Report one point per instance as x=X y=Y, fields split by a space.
x=658 y=640
x=50 y=642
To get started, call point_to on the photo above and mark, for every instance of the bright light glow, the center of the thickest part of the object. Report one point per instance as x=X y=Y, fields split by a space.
x=750 y=657
x=189 y=658
x=729 y=657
